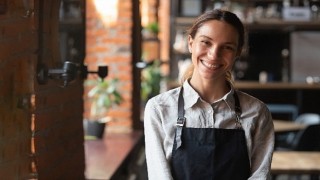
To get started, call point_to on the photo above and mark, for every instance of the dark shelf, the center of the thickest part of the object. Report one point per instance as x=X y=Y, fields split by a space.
x=263 y=24
x=273 y=33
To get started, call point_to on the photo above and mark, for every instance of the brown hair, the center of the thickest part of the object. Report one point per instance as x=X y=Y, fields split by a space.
x=220 y=15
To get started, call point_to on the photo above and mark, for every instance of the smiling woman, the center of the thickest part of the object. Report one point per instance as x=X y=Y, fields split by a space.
x=206 y=129
x=213 y=52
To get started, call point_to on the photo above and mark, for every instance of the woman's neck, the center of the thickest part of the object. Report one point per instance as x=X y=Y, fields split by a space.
x=210 y=91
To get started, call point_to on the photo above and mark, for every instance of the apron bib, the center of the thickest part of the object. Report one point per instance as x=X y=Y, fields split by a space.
x=209 y=153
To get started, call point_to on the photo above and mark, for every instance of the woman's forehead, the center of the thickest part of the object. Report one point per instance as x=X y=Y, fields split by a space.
x=217 y=29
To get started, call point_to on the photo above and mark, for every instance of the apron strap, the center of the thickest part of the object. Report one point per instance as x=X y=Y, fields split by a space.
x=237 y=109
x=181 y=119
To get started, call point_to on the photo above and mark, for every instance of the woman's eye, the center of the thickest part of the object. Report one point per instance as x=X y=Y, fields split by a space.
x=229 y=48
x=205 y=42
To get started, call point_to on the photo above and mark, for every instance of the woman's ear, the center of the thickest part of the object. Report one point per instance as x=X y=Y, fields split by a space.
x=190 y=42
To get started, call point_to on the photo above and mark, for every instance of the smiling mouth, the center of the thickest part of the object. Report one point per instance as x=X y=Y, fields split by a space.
x=211 y=66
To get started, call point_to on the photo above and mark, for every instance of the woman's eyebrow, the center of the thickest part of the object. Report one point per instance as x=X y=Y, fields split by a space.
x=207 y=37
x=204 y=36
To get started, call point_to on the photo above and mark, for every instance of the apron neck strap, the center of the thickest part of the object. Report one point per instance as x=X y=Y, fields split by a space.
x=237 y=109
x=181 y=119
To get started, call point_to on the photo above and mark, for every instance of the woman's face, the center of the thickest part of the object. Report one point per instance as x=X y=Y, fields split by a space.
x=214 y=49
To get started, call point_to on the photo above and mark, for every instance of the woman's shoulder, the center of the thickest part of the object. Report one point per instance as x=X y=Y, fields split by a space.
x=250 y=100
x=254 y=109
x=166 y=98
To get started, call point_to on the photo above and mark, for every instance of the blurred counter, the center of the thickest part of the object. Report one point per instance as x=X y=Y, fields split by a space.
x=275 y=85
x=257 y=85
x=115 y=156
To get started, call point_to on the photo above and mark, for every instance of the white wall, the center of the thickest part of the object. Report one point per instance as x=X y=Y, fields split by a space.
x=305 y=55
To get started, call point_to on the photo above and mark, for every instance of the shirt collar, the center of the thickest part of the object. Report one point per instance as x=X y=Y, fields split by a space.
x=229 y=98
x=193 y=96
x=190 y=94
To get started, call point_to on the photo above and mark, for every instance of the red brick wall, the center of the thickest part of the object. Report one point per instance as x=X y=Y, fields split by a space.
x=40 y=125
x=111 y=45
x=164 y=35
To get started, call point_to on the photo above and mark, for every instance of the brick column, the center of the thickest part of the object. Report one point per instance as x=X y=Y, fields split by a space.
x=111 y=45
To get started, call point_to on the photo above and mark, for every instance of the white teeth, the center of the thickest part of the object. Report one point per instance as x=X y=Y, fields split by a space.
x=211 y=66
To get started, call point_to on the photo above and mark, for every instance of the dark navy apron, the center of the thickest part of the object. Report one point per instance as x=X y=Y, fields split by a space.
x=209 y=153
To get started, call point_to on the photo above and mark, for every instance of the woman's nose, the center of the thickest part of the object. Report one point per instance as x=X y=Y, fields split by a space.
x=213 y=52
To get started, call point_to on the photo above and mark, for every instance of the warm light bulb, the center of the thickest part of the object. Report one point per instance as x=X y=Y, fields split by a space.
x=108 y=11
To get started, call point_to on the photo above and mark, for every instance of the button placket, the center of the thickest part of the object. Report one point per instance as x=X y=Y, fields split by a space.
x=213 y=120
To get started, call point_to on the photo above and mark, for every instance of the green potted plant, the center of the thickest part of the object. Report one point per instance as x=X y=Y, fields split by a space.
x=103 y=96
x=150 y=80
x=151 y=30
